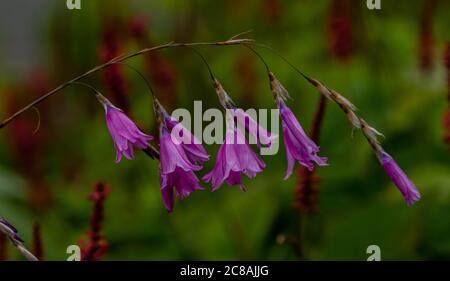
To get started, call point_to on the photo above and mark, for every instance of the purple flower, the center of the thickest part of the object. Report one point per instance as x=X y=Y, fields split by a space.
x=235 y=157
x=124 y=132
x=261 y=135
x=176 y=170
x=298 y=145
x=194 y=150
x=403 y=183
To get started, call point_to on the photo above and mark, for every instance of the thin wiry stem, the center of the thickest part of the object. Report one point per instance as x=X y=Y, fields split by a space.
x=151 y=151
x=204 y=60
x=88 y=86
x=116 y=60
x=259 y=56
x=149 y=86
x=283 y=58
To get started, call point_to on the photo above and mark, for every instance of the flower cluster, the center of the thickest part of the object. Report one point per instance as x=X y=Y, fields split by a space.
x=182 y=155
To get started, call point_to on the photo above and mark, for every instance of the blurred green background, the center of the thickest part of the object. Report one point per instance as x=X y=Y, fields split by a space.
x=46 y=176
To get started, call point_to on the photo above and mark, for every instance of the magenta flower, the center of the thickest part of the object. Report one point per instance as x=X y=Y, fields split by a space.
x=123 y=130
x=176 y=170
x=297 y=144
x=235 y=157
x=400 y=179
x=194 y=150
x=261 y=135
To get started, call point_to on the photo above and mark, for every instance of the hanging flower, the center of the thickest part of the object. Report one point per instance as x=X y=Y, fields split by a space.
x=297 y=144
x=123 y=130
x=235 y=158
x=176 y=170
x=259 y=133
x=194 y=150
x=400 y=179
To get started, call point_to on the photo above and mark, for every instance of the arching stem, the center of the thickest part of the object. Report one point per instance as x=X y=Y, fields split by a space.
x=116 y=60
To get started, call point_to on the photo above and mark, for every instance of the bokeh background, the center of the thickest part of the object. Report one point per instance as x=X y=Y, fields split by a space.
x=388 y=62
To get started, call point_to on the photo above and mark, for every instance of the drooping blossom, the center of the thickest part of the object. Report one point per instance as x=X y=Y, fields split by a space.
x=297 y=144
x=181 y=155
x=123 y=130
x=258 y=132
x=246 y=121
x=192 y=147
x=176 y=170
x=235 y=157
x=404 y=184
x=399 y=178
